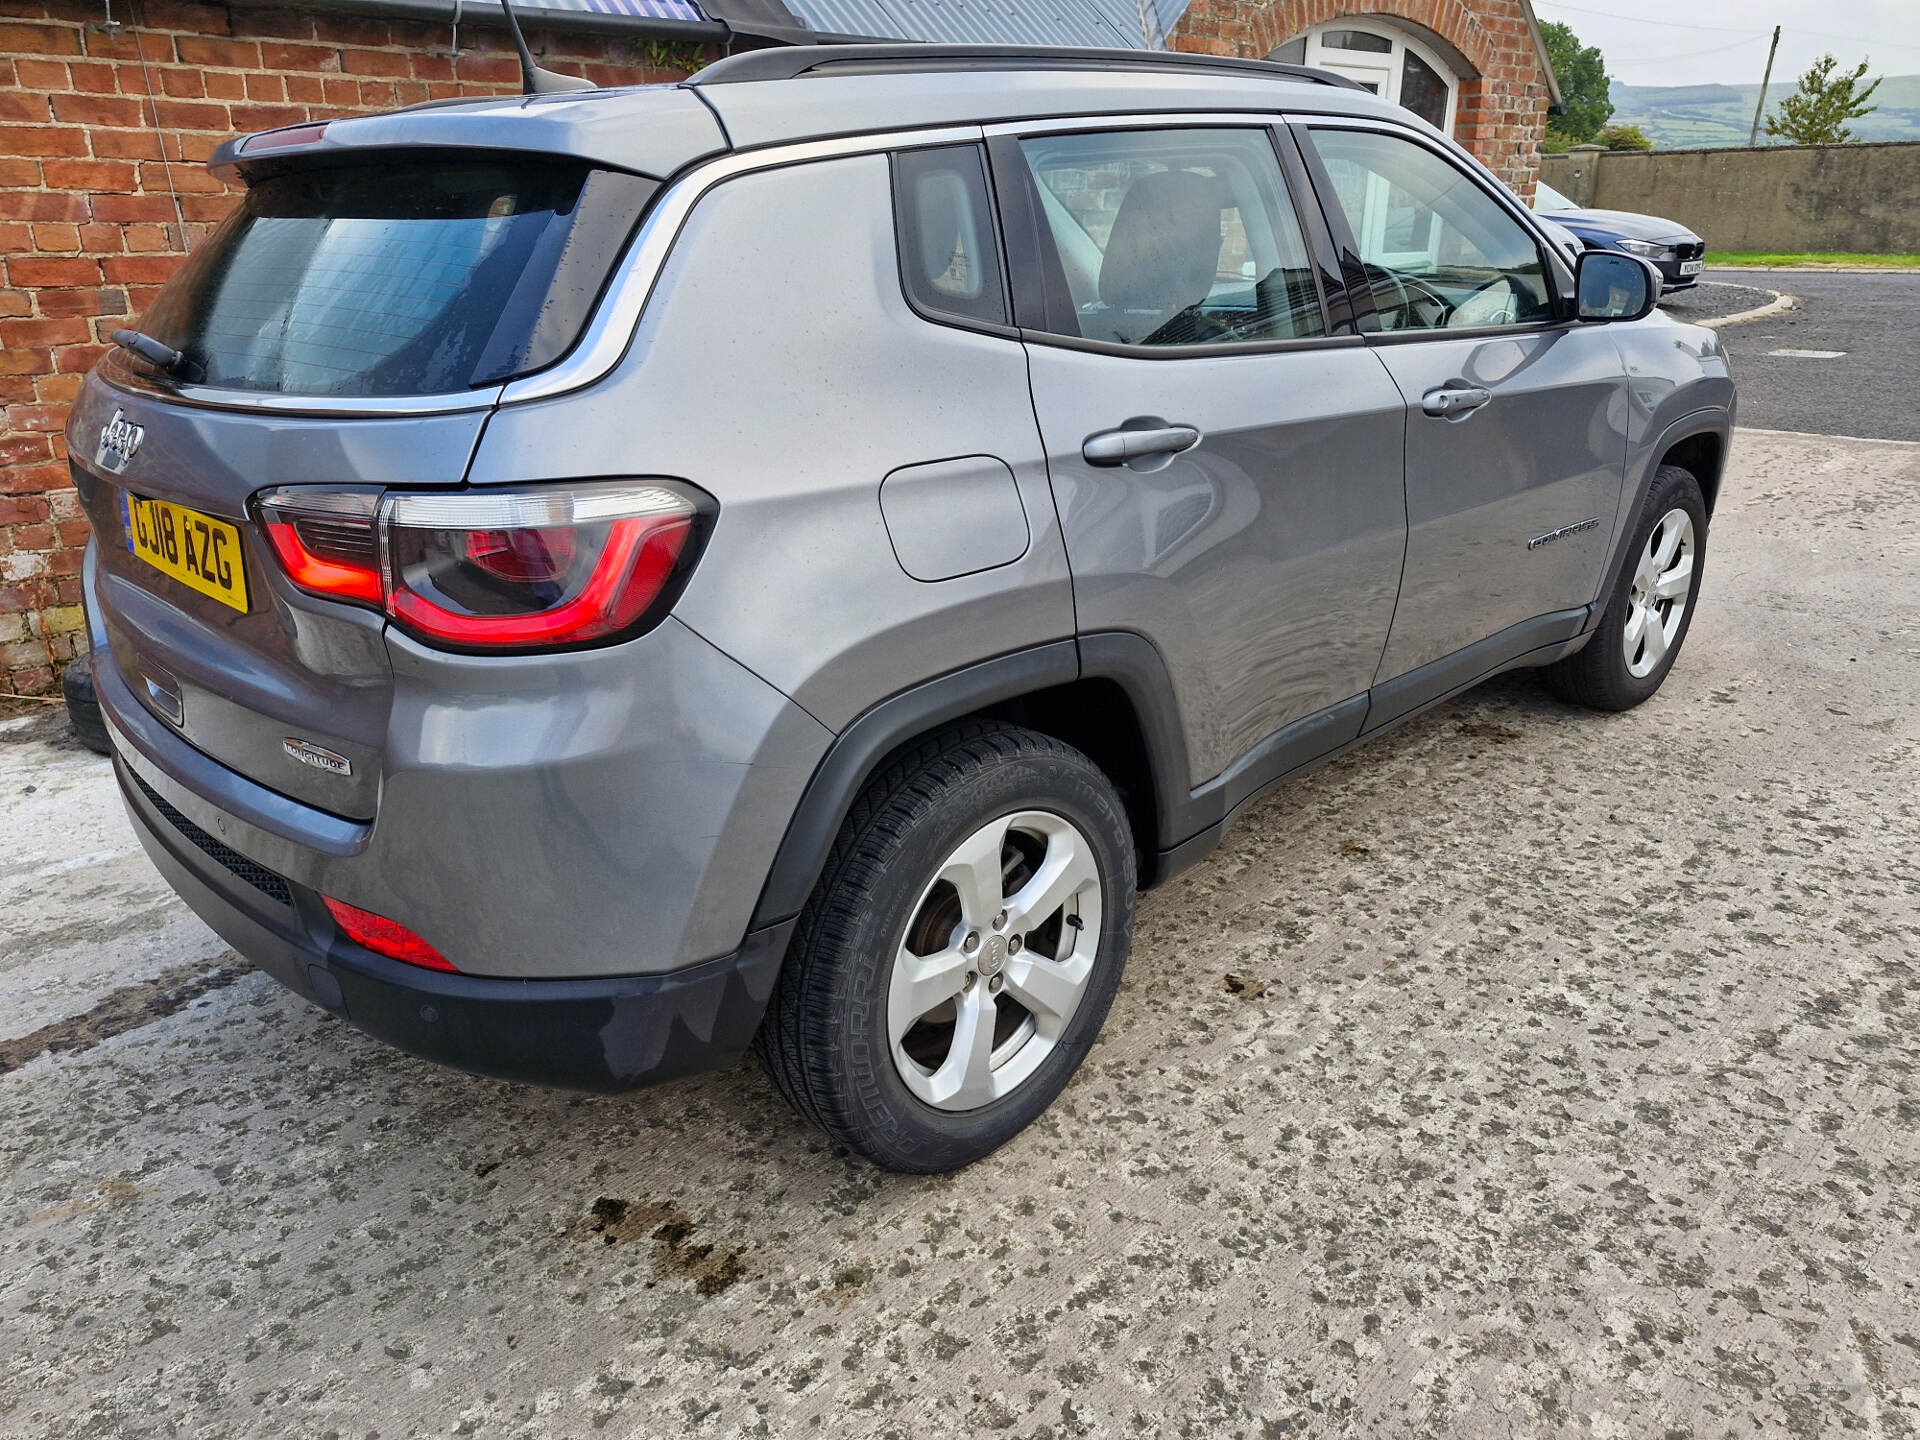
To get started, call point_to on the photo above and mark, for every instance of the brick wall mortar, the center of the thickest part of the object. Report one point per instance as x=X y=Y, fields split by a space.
x=90 y=226
x=1501 y=114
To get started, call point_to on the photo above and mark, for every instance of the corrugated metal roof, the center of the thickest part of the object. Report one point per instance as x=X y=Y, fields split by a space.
x=995 y=22
x=986 y=22
x=643 y=9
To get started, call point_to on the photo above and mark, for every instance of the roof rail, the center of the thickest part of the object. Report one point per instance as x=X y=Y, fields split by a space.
x=789 y=62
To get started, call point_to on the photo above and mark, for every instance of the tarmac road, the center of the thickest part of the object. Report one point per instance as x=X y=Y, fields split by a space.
x=1870 y=388
x=1528 y=1072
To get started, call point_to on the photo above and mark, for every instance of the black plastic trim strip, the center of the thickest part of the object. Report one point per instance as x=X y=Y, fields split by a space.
x=1192 y=352
x=866 y=742
x=1709 y=420
x=273 y=886
x=1434 y=681
x=1191 y=820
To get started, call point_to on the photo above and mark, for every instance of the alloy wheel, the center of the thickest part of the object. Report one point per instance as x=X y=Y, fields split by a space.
x=1662 y=588
x=995 y=960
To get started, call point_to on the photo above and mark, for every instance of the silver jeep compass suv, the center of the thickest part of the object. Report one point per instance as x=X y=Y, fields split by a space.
x=585 y=583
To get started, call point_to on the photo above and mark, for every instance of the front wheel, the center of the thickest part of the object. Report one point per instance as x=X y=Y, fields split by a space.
x=1652 y=604
x=960 y=952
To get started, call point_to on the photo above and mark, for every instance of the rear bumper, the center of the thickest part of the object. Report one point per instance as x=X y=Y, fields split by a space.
x=604 y=1033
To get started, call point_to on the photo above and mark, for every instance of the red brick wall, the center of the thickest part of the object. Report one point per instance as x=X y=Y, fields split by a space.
x=89 y=226
x=1502 y=112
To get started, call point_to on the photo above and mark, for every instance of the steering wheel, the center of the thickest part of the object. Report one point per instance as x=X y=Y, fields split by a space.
x=1404 y=287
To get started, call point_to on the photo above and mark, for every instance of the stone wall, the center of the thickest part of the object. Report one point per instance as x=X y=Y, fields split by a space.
x=104 y=130
x=1778 y=199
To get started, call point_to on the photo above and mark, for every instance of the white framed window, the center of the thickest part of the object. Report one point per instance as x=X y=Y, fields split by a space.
x=1390 y=63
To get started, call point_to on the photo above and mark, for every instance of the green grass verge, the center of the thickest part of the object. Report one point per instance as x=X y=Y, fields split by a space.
x=1723 y=257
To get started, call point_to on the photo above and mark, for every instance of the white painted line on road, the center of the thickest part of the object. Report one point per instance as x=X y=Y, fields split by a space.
x=1808 y=354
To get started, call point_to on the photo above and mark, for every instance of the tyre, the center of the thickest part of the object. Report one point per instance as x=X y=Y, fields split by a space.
x=959 y=954
x=83 y=706
x=1651 y=607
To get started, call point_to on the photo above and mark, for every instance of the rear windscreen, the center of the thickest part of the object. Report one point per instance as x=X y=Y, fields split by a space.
x=420 y=278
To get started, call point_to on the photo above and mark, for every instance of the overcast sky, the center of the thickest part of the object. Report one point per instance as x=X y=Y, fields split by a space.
x=1698 y=42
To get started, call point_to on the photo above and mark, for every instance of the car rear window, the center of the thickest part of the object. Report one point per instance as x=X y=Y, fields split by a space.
x=417 y=278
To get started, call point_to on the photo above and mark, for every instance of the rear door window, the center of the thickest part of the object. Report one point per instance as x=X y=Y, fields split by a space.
x=1170 y=237
x=420 y=278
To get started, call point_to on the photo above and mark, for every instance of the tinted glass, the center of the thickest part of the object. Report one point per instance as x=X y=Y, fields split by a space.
x=1173 y=237
x=1423 y=91
x=949 y=257
x=1356 y=40
x=399 y=279
x=1440 y=252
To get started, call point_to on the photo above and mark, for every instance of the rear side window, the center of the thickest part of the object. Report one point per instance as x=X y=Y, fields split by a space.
x=1171 y=237
x=399 y=279
x=949 y=252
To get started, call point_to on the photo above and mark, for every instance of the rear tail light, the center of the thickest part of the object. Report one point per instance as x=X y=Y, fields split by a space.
x=384 y=936
x=325 y=540
x=492 y=570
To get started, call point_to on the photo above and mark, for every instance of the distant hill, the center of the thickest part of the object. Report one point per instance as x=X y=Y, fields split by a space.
x=1695 y=117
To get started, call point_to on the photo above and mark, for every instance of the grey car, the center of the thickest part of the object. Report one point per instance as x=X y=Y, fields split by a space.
x=586 y=584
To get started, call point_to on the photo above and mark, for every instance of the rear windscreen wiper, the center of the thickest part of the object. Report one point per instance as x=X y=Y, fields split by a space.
x=172 y=361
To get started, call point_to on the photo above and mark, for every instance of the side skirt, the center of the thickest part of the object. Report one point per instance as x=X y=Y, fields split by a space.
x=1293 y=751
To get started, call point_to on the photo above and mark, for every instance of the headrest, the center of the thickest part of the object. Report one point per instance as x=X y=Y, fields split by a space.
x=1164 y=251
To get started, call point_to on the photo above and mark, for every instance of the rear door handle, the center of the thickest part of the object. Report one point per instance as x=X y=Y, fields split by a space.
x=1452 y=401
x=1138 y=440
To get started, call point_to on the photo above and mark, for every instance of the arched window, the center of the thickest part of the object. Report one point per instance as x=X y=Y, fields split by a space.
x=1387 y=61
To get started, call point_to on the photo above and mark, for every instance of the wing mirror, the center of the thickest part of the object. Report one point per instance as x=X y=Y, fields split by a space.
x=1614 y=286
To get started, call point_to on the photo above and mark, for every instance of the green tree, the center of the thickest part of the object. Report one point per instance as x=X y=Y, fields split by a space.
x=1817 y=112
x=1584 y=88
x=1625 y=137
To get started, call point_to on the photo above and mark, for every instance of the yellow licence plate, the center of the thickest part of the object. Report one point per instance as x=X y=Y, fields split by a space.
x=197 y=550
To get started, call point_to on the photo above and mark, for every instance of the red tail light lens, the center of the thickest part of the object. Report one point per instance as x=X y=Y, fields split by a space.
x=384 y=936
x=325 y=540
x=492 y=570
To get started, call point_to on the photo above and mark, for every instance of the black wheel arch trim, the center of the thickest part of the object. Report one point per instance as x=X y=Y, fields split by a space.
x=875 y=733
x=1711 y=420
x=1128 y=660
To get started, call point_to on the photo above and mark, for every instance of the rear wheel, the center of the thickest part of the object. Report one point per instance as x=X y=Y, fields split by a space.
x=1651 y=607
x=960 y=953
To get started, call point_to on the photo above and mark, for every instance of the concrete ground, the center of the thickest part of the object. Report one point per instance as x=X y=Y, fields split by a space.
x=1526 y=1073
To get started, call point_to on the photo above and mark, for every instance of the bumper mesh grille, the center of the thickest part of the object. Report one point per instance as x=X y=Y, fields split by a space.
x=258 y=876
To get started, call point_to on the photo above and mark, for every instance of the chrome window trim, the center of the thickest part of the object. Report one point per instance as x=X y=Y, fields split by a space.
x=616 y=320
x=213 y=397
x=1163 y=119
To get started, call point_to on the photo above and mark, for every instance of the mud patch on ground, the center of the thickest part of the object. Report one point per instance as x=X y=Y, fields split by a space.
x=1487 y=730
x=613 y=1221
x=127 y=1008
